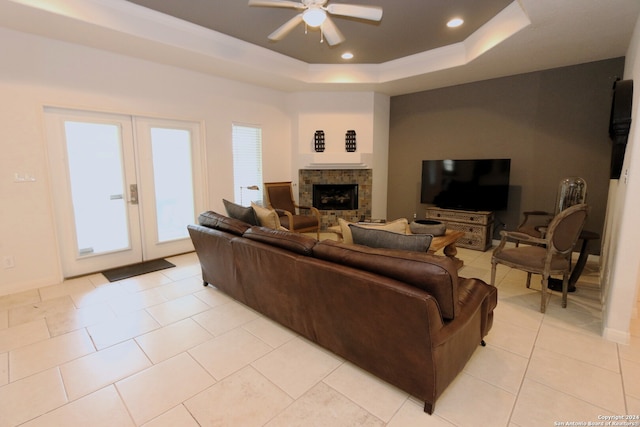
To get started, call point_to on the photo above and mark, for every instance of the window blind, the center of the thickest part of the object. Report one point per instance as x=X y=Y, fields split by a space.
x=247 y=164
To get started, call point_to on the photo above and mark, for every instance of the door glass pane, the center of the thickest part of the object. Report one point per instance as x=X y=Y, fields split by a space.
x=97 y=187
x=173 y=182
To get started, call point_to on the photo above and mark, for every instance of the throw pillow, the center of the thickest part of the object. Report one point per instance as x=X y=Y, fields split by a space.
x=396 y=226
x=267 y=217
x=390 y=240
x=242 y=213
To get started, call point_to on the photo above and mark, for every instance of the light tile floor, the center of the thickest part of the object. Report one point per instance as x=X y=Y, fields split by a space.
x=161 y=350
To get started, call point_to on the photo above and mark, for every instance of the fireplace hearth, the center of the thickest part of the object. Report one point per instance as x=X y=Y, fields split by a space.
x=335 y=196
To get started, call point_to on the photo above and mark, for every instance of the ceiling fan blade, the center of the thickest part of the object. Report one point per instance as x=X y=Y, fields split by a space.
x=372 y=13
x=286 y=28
x=276 y=3
x=331 y=33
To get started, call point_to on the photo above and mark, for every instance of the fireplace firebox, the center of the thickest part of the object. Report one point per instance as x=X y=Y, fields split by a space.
x=335 y=196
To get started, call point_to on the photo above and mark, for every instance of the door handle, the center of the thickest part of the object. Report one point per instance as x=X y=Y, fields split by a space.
x=115 y=197
x=133 y=194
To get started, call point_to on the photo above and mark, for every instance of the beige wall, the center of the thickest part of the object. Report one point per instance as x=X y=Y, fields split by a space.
x=336 y=112
x=37 y=72
x=552 y=124
x=620 y=270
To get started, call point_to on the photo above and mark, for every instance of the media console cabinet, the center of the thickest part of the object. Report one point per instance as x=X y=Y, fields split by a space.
x=476 y=225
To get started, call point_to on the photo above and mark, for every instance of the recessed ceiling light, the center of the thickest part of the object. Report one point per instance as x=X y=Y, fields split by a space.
x=455 y=22
x=347 y=55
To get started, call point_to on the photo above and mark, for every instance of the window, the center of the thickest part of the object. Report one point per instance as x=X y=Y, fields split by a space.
x=247 y=164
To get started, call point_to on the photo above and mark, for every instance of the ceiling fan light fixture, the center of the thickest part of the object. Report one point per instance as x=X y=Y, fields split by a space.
x=314 y=14
x=314 y=17
x=455 y=22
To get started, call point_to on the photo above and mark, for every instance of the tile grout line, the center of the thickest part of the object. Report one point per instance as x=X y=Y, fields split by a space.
x=526 y=370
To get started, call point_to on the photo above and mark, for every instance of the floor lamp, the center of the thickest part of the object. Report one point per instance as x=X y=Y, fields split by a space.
x=251 y=187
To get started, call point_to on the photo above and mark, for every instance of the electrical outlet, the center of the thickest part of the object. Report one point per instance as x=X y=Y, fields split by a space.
x=8 y=262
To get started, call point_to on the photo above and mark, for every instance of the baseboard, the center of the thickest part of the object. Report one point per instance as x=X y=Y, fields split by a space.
x=12 y=288
x=617 y=336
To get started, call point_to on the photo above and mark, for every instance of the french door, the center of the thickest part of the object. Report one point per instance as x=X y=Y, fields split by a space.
x=124 y=187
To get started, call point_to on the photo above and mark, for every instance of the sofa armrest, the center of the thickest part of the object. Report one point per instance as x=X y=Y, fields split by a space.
x=477 y=298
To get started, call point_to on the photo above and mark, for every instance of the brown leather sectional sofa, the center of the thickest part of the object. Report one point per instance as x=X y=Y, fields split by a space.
x=406 y=317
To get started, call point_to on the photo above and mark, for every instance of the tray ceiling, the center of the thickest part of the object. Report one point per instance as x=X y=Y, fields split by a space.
x=407 y=27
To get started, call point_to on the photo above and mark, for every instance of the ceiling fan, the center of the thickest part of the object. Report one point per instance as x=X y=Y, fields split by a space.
x=314 y=14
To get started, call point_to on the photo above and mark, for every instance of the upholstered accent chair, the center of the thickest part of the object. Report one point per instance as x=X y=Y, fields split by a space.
x=294 y=217
x=534 y=223
x=571 y=191
x=547 y=255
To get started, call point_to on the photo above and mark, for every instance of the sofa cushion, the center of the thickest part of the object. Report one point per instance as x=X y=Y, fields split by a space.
x=267 y=217
x=434 y=274
x=223 y=223
x=295 y=242
x=243 y=213
x=387 y=239
x=396 y=226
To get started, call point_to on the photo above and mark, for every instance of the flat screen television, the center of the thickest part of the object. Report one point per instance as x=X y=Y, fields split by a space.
x=477 y=185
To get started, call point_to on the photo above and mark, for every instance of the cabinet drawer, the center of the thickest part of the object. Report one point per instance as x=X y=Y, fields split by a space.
x=475 y=236
x=482 y=218
x=469 y=229
x=476 y=226
x=473 y=242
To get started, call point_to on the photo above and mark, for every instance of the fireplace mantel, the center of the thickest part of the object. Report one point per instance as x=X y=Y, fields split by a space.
x=336 y=166
x=338 y=160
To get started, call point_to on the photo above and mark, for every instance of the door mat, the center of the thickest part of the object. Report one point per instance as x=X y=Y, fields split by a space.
x=127 y=271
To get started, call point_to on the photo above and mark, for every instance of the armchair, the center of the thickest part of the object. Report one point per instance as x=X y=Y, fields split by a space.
x=571 y=191
x=534 y=224
x=280 y=198
x=546 y=255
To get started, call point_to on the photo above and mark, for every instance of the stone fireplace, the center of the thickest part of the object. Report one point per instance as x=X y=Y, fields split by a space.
x=360 y=179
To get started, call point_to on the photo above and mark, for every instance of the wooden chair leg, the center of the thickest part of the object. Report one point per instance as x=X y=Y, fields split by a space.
x=543 y=297
x=493 y=274
x=528 y=280
x=565 y=289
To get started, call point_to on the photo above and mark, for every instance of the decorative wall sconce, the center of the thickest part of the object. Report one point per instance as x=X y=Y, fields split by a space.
x=318 y=141
x=350 y=141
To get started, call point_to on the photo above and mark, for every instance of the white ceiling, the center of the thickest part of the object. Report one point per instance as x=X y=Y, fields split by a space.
x=526 y=35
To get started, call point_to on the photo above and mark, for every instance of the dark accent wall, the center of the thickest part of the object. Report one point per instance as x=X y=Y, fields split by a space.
x=552 y=124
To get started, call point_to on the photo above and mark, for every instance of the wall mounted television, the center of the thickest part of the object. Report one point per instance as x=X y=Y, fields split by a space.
x=476 y=185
